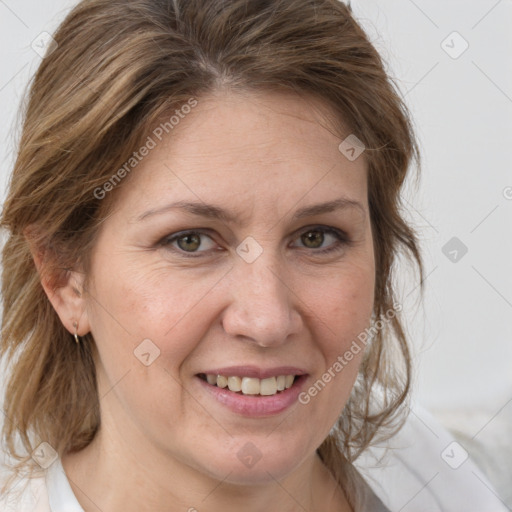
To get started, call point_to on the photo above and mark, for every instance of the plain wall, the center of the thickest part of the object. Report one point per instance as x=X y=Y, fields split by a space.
x=462 y=106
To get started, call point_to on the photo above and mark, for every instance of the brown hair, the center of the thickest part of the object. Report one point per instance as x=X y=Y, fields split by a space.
x=118 y=67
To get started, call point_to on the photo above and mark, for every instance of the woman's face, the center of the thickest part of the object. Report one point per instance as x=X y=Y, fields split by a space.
x=241 y=245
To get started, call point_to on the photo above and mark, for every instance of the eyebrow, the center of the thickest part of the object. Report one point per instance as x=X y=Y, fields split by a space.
x=215 y=212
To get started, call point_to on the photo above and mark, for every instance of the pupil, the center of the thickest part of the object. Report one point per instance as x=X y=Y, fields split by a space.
x=313 y=239
x=189 y=239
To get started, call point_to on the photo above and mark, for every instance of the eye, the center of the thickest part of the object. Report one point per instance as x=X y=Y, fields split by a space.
x=197 y=243
x=189 y=242
x=315 y=237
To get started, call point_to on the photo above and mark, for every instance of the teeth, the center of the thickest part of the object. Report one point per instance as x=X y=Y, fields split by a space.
x=251 y=385
x=269 y=386
x=235 y=384
x=222 y=382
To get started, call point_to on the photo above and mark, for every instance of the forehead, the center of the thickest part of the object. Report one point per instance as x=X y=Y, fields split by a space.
x=248 y=150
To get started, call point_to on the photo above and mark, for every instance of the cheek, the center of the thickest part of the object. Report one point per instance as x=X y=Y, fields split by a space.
x=137 y=304
x=146 y=301
x=129 y=308
x=343 y=307
x=344 y=304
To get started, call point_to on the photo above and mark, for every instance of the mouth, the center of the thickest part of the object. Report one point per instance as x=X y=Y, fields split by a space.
x=250 y=386
x=252 y=391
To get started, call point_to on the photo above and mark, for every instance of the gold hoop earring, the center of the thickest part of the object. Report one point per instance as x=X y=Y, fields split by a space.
x=75 y=325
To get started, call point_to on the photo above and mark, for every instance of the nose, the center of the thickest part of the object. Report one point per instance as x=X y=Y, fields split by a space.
x=263 y=304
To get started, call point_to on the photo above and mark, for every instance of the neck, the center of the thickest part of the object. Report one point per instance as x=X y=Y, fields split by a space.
x=108 y=476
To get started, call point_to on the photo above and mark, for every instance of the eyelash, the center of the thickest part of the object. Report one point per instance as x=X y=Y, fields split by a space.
x=342 y=241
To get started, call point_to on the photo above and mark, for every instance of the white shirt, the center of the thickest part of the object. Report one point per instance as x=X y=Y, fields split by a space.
x=423 y=471
x=49 y=492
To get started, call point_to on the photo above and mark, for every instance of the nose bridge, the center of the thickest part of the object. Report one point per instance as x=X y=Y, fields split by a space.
x=261 y=305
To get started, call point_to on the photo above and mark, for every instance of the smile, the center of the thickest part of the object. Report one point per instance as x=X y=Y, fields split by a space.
x=250 y=385
x=253 y=392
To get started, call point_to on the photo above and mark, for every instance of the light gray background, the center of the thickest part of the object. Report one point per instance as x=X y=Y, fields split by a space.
x=462 y=334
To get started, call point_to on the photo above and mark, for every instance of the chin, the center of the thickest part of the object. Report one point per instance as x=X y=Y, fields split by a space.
x=247 y=464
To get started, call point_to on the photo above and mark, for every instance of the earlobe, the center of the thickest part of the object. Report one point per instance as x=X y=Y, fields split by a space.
x=64 y=289
x=68 y=301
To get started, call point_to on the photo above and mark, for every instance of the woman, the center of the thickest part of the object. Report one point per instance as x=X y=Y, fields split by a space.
x=203 y=219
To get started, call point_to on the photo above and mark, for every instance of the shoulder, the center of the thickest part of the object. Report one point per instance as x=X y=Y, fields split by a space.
x=424 y=468
x=25 y=495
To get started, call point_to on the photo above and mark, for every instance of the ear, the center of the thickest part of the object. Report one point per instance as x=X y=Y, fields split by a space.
x=64 y=287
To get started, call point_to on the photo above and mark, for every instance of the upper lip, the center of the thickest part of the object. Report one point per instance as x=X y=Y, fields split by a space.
x=255 y=372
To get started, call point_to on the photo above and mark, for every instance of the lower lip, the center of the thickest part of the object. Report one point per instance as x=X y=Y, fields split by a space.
x=254 y=406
